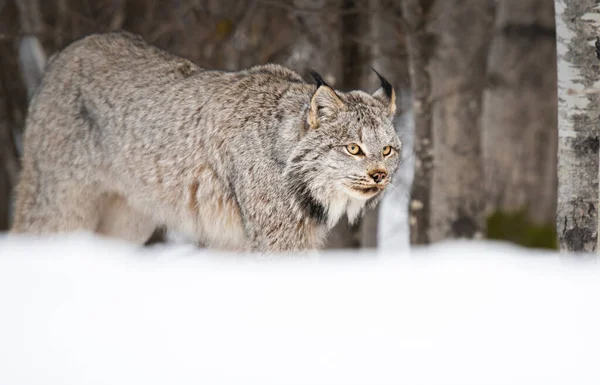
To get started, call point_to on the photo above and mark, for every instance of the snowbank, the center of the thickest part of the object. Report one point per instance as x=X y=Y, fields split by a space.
x=81 y=311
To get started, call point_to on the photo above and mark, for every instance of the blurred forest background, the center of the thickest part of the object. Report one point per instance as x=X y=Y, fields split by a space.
x=476 y=81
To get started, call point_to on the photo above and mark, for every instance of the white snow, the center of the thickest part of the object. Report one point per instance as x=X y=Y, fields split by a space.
x=81 y=310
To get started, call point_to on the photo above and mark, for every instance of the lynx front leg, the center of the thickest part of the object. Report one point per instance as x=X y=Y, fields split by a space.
x=272 y=225
x=215 y=212
x=273 y=235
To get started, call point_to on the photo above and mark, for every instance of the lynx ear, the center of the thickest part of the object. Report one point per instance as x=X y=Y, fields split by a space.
x=325 y=103
x=386 y=94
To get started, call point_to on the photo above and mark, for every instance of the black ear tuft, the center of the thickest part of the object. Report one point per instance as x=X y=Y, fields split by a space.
x=318 y=78
x=387 y=87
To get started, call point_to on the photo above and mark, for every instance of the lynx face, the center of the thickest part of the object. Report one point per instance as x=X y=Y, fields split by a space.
x=363 y=160
x=359 y=151
x=350 y=150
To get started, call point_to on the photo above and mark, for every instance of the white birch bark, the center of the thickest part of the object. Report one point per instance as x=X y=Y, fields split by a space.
x=577 y=27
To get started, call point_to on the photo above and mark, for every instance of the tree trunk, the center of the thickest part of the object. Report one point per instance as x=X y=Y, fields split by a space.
x=519 y=125
x=578 y=111
x=457 y=70
x=8 y=160
x=415 y=14
x=448 y=66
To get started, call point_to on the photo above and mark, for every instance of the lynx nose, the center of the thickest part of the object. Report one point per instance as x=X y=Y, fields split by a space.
x=378 y=176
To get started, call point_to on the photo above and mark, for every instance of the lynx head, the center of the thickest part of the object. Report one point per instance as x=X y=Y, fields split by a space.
x=348 y=153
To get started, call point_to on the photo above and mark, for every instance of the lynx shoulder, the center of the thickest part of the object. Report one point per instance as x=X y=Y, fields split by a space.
x=122 y=137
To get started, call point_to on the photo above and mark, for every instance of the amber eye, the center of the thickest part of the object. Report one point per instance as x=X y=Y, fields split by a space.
x=353 y=149
x=387 y=150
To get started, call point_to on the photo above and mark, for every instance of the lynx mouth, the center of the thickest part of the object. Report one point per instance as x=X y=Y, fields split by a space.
x=366 y=191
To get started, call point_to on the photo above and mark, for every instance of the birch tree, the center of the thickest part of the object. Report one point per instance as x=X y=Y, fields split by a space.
x=577 y=28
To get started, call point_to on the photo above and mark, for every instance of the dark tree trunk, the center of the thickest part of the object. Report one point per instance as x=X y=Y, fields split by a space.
x=419 y=47
x=457 y=71
x=8 y=161
x=519 y=125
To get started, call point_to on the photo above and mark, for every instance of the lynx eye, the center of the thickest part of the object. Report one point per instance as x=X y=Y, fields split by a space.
x=387 y=150
x=353 y=149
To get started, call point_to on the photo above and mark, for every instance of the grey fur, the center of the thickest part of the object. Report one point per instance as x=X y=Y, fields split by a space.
x=122 y=137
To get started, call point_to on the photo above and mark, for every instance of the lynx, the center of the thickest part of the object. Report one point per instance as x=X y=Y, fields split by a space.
x=122 y=137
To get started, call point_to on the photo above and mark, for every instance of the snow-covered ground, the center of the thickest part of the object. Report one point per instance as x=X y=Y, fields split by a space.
x=81 y=310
